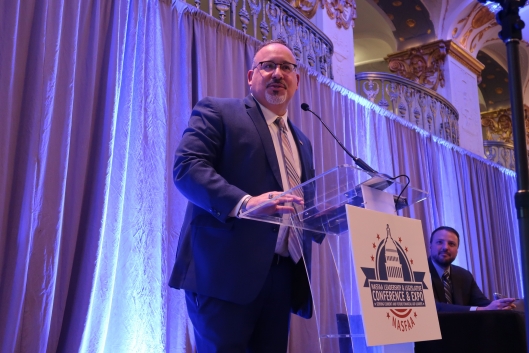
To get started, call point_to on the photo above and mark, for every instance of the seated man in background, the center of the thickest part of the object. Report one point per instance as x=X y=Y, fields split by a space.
x=454 y=287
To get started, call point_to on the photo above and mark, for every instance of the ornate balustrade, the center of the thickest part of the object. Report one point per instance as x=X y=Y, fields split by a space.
x=264 y=20
x=497 y=136
x=419 y=105
x=500 y=152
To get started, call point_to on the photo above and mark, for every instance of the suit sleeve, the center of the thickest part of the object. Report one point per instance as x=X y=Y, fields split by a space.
x=453 y=308
x=194 y=172
x=477 y=298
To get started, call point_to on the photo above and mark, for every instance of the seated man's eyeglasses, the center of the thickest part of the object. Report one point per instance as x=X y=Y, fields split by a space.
x=269 y=66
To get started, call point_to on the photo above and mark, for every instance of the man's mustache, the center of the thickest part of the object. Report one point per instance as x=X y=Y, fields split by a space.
x=277 y=83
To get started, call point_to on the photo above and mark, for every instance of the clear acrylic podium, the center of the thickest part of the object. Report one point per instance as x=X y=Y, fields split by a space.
x=337 y=316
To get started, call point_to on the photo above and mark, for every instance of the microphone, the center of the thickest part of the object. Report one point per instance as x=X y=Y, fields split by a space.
x=358 y=161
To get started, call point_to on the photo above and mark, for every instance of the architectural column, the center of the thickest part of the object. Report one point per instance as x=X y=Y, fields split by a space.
x=462 y=75
x=338 y=26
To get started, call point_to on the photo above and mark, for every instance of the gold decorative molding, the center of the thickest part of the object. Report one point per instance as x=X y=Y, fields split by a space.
x=471 y=29
x=307 y=7
x=343 y=11
x=423 y=64
x=497 y=125
x=462 y=56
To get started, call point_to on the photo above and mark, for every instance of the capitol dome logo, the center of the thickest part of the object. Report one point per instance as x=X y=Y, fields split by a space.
x=393 y=283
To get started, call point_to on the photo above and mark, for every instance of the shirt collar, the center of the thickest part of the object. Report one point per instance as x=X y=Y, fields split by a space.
x=270 y=116
x=440 y=271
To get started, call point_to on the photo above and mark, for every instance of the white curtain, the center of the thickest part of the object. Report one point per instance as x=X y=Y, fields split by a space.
x=94 y=96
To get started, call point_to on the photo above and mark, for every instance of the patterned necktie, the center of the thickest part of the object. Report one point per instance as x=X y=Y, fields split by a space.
x=294 y=234
x=447 y=284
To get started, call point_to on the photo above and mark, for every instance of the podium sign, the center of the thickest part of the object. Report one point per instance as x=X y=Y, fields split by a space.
x=392 y=278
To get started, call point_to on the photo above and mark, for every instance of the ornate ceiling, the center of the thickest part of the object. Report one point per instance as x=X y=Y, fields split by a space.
x=494 y=84
x=467 y=22
x=411 y=20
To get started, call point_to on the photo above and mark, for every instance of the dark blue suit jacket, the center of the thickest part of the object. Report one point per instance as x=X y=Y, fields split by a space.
x=466 y=292
x=225 y=153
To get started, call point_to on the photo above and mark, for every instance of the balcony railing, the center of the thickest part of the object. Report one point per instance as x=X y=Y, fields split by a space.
x=499 y=152
x=275 y=19
x=420 y=106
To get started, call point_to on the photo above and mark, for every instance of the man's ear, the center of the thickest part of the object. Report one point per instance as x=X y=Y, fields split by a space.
x=250 y=77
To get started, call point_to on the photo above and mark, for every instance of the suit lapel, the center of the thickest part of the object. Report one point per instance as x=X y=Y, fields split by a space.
x=254 y=112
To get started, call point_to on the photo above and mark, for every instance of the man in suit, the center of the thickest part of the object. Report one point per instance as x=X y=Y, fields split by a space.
x=454 y=287
x=240 y=279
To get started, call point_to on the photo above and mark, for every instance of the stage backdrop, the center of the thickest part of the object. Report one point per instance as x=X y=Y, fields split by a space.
x=94 y=96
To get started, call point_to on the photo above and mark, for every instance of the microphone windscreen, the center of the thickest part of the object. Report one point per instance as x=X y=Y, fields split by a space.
x=305 y=106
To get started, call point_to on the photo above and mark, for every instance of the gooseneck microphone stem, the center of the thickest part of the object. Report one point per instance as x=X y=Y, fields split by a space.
x=358 y=161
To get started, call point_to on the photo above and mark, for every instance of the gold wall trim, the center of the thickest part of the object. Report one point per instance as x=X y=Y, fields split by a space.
x=422 y=64
x=464 y=57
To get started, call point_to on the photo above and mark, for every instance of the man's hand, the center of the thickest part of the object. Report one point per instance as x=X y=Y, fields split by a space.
x=269 y=205
x=500 y=304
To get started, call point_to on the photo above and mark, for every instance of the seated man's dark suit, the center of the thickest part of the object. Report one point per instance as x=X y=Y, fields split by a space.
x=225 y=153
x=466 y=292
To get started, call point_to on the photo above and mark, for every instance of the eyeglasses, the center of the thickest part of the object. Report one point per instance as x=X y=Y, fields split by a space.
x=270 y=66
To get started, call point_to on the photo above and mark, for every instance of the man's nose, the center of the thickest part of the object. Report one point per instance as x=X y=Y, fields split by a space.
x=277 y=72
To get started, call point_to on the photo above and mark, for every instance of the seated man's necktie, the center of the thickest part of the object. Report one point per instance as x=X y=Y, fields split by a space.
x=447 y=283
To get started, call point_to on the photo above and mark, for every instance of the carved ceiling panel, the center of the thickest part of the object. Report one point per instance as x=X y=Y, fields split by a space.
x=471 y=30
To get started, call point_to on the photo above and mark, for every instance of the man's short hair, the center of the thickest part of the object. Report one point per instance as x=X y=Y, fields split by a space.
x=272 y=41
x=448 y=229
